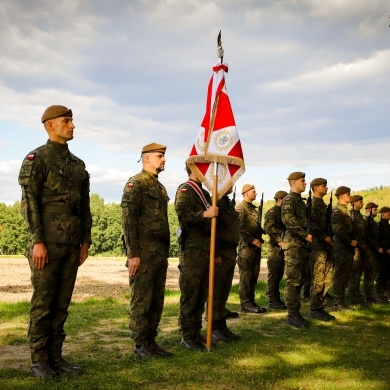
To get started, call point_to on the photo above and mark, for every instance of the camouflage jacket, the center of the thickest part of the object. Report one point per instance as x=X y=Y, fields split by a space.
x=227 y=224
x=342 y=225
x=145 y=218
x=196 y=229
x=372 y=234
x=384 y=234
x=55 y=196
x=359 y=223
x=294 y=218
x=318 y=224
x=273 y=225
x=248 y=223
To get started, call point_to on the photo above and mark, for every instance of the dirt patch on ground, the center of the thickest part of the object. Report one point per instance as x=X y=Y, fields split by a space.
x=98 y=278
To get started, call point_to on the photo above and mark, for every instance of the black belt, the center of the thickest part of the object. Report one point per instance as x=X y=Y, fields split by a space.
x=63 y=209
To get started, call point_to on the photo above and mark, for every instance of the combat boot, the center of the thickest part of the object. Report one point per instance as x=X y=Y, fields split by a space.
x=61 y=365
x=191 y=344
x=42 y=369
x=158 y=350
x=218 y=335
x=340 y=307
x=231 y=314
x=277 y=305
x=319 y=315
x=228 y=333
x=297 y=320
x=145 y=351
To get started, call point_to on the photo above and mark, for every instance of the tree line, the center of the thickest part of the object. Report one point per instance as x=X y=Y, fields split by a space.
x=107 y=225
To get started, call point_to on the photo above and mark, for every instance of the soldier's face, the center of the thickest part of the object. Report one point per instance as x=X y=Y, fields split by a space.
x=252 y=194
x=374 y=212
x=60 y=129
x=300 y=184
x=157 y=161
x=322 y=189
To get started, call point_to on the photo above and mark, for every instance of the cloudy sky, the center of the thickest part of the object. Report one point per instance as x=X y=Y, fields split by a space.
x=308 y=81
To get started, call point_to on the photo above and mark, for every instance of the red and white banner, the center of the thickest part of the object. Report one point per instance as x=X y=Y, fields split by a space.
x=217 y=141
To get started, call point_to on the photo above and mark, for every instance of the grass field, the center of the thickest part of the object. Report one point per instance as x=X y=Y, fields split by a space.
x=352 y=352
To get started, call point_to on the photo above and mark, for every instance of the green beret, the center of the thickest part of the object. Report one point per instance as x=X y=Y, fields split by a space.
x=280 y=195
x=246 y=188
x=371 y=205
x=56 y=111
x=384 y=209
x=356 y=198
x=318 y=181
x=296 y=176
x=154 y=148
x=342 y=190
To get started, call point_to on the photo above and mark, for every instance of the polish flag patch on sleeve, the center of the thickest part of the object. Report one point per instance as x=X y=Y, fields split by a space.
x=183 y=190
x=30 y=157
x=130 y=185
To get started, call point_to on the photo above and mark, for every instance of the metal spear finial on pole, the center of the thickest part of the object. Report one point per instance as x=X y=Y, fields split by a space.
x=220 y=51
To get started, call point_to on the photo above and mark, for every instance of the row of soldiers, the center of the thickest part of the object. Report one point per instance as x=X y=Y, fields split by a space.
x=316 y=246
x=56 y=208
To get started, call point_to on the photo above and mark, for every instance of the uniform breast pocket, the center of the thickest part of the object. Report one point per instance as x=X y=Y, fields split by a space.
x=56 y=179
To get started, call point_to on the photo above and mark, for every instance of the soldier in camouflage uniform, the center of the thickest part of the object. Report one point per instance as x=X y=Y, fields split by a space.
x=321 y=256
x=383 y=278
x=146 y=237
x=55 y=206
x=296 y=254
x=344 y=244
x=249 y=250
x=228 y=236
x=274 y=227
x=373 y=252
x=360 y=256
x=192 y=205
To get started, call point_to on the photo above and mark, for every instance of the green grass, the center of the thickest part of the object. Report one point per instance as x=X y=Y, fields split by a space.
x=350 y=353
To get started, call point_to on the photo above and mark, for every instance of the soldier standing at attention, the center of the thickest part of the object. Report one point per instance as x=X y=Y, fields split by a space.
x=296 y=254
x=192 y=205
x=373 y=252
x=146 y=237
x=360 y=251
x=383 y=278
x=228 y=236
x=274 y=227
x=249 y=253
x=55 y=206
x=344 y=244
x=321 y=257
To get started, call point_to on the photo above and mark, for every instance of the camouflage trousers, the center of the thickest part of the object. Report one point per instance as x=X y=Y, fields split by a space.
x=147 y=289
x=357 y=268
x=52 y=291
x=322 y=277
x=249 y=266
x=370 y=271
x=223 y=278
x=296 y=265
x=194 y=284
x=275 y=264
x=383 y=277
x=343 y=259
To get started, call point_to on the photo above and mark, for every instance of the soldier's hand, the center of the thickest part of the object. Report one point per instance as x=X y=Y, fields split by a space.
x=328 y=240
x=354 y=243
x=83 y=253
x=280 y=244
x=381 y=251
x=40 y=255
x=309 y=238
x=211 y=212
x=218 y=261
x=133 y=265
x=256 y=242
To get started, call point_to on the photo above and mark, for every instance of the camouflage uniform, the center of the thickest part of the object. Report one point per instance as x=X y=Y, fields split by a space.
x=359 y=259
x=55 y=206
x=249 y=255
x=343 y=252
x=194 y=258
x=296 y=254
x=146 y=235
x=228 y=236
x=274 y=227
x=383 y=277
x=371 y=263
x=321 y=255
